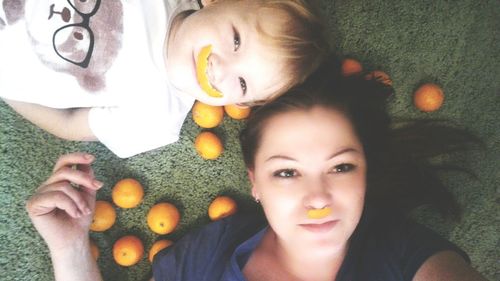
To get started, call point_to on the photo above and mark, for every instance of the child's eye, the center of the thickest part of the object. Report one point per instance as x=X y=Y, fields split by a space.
x=343 y=168
x=243 y=85
x=236 y=39
x=286 y=173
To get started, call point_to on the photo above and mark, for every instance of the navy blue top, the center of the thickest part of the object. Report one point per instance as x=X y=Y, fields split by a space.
x=385 y=251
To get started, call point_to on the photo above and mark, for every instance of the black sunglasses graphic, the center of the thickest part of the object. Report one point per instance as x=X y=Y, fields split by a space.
x=76 y=31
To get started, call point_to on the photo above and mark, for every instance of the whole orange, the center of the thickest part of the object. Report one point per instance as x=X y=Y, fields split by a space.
x=428 y=97
x=128 y=250
x=158 y=246
x=221 y=207
x=380 y=76
x=351 y=67
x=94 y=250
x=207 y=116
x=237 y=112
x=163 y=218
x=104 y=216
x=208 y=145
x=127 y=193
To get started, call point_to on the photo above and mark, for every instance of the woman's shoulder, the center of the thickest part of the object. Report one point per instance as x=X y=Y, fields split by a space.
x=394 y=249
x=407 y=238
x=205 y=251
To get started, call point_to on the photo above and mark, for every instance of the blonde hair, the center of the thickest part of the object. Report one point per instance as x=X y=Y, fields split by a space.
x=297 y=34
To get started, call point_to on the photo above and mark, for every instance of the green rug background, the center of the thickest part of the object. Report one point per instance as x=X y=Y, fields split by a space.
x=453 y=43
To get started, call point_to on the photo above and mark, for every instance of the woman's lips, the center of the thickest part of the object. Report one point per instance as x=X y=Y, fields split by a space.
x=320 y=227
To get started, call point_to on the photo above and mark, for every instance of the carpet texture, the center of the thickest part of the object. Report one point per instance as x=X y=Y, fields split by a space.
x=452 y=43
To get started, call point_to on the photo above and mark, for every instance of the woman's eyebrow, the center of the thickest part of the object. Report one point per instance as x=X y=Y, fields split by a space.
x=335 y=154
x=282 y=157
x=343 y=151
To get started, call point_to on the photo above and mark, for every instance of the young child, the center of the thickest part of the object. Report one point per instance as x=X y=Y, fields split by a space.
x=126 y=73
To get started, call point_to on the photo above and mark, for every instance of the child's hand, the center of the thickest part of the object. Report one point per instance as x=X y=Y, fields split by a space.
x=61 y=213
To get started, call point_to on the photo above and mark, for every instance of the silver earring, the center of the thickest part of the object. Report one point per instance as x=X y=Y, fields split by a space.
x=257 y=200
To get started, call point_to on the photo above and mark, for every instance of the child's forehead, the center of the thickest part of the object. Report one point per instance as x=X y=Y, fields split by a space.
x=252 y=9
x=265 y=78
x=269 y=70
x=258 y=15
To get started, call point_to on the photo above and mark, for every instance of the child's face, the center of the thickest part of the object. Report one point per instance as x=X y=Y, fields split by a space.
x=241 y=67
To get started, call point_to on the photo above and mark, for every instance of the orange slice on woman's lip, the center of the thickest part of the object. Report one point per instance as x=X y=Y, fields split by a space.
x=201 y=72
x=319 y=213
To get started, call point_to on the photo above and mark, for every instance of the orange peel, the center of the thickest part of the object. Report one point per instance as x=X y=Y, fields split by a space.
x=319 y=213
x=201 y=72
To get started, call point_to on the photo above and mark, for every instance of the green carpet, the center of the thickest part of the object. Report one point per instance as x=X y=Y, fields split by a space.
x=453 y=43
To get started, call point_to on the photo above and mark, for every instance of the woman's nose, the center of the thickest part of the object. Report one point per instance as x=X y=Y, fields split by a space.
x=318 y=194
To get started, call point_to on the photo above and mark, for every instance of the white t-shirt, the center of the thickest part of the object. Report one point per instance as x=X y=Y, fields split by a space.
x=107 y=55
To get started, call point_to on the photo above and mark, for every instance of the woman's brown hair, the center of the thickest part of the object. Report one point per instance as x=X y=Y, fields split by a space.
x=401 y=174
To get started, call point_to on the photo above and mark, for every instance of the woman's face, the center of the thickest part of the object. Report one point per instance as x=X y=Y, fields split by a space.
x=310 y=159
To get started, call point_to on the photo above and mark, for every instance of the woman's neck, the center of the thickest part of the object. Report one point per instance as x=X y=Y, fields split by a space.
x=296 y=262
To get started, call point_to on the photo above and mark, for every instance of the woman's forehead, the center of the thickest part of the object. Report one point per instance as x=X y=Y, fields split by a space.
x=307 y=127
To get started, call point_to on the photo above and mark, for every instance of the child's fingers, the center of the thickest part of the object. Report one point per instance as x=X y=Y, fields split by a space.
x=66 y=188
x=78 y=177
x=44 y=203
x=73 y=159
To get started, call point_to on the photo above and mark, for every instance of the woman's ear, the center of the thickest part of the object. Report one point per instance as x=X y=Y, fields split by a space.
x=251 y=177
x=206 y=3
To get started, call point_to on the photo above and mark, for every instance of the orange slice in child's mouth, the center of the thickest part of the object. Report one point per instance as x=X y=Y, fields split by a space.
x=201 y=72
x=319 y=213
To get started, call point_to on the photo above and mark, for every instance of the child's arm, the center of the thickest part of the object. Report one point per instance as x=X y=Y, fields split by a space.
x=69 y=124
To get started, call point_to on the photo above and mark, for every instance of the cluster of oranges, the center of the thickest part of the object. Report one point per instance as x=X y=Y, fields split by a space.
x=427 y=98
x=208 y=144
x=162 y=219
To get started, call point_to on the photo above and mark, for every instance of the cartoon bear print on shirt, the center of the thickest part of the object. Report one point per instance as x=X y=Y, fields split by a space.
x=78 y=37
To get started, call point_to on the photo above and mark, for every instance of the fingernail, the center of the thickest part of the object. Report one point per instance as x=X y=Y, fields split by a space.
x=86 y=211
x=97 y=183
x=78 y=214
x=89 y=156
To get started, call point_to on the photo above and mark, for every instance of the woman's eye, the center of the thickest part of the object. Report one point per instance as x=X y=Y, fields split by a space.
x=243 y=85
x=343 y=168
x=288 y=173
x=236 y=40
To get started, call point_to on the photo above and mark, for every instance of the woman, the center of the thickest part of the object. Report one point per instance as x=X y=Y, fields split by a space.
x=335 y=183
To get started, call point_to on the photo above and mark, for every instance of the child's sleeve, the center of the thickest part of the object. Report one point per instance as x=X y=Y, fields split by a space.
x=133 y=129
